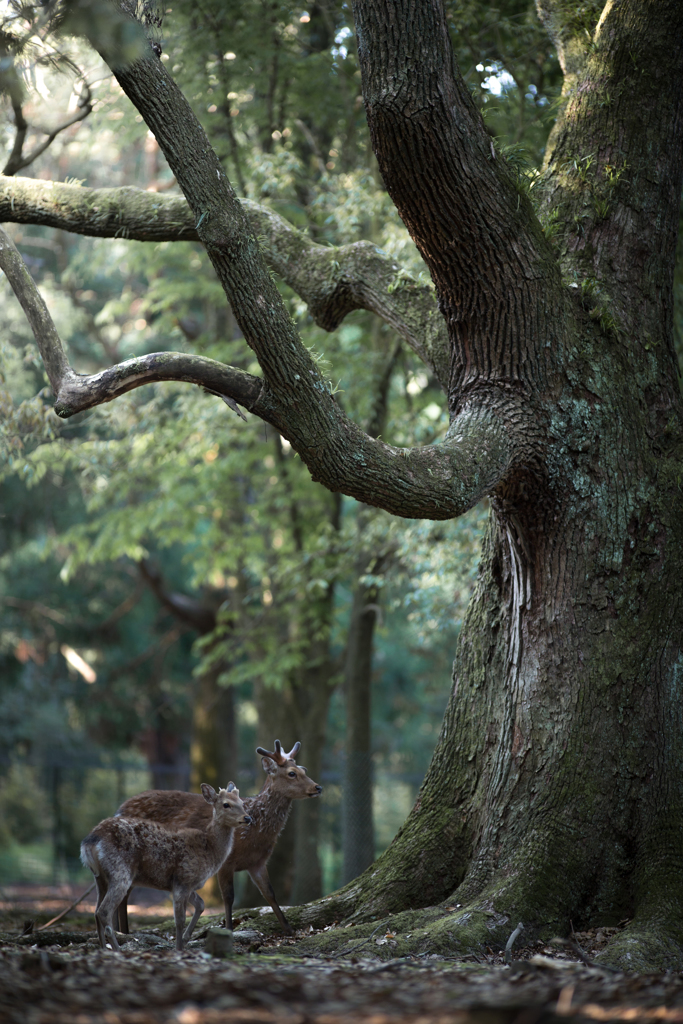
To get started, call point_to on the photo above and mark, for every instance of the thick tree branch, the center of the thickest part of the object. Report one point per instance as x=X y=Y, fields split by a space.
x=75 y=392
x=458 y=199
x=101 y=213
x=333 y=281
x=187 y=609
x=614 y=185
x=571 y=28
x=435 y=482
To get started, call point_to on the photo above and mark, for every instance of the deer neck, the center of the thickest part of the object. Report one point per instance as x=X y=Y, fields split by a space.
x=219 y=831
x=270 y=809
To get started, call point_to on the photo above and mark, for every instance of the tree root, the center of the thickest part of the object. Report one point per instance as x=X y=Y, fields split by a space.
x=643 y=951
x=458 y=931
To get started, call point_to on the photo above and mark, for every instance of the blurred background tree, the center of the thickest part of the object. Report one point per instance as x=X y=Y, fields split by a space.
x=174 y=588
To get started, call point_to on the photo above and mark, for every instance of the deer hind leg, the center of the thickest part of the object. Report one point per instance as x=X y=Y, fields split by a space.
x=226 y=884
x=180 y=898
x=198 y=904
x=101 y=883
x=107 y=908
x=260 y=878
x=123 y=913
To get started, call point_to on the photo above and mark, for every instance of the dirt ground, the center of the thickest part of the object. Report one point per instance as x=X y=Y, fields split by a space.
x=60 y=975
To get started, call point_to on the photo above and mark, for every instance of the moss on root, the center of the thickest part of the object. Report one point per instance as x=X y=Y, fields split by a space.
x=461 y=931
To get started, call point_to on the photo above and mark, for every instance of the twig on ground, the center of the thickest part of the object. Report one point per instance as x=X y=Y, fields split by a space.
x=68 y=909
x=510 y=941
x=583 y=957
x=345 y=952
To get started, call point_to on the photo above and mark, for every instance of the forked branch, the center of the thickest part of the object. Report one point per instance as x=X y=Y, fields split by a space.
x=76 y=392
x=18 y=160
x=332 y=281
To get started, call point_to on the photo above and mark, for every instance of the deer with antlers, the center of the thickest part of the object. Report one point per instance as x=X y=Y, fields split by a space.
x=252 y=846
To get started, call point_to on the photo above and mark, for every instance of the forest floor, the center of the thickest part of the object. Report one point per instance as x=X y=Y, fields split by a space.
x=59 y=975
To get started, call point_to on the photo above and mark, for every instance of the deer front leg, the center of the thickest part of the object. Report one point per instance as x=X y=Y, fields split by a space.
x=226 y=884
x=123 y=914
x=198 y=904
x=260 y=878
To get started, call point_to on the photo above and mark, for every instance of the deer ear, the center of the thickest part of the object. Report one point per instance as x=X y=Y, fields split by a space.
x=231 y=786
x=208 y=792
x=269 y=766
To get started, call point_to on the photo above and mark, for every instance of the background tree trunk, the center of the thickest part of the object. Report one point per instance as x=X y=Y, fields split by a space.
x=310 y=704
x=358 y=841
x=213 y=750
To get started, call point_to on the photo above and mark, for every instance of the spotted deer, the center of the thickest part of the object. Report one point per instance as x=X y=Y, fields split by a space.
x=252 y=847
x=122 y=852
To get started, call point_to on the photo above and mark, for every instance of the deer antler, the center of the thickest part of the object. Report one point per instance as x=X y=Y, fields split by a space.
x=278 y=755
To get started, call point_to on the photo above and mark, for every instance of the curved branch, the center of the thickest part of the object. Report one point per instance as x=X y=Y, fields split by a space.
x=17 y=161
x=44 y=330
x=76 y=392
x=332 y=281
x=187 y=609
x=437 y=482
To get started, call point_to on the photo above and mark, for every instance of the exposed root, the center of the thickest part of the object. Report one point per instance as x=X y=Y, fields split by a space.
x=643 y=952
x=469 y=931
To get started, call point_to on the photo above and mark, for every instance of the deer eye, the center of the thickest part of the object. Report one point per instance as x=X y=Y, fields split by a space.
x=226 y=805
x=292 y=775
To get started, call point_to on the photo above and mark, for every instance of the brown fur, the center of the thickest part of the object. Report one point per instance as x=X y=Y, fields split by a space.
x=252 y=846
x=122 y=852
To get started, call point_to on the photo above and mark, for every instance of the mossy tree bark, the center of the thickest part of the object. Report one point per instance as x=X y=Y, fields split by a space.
x=555 y=791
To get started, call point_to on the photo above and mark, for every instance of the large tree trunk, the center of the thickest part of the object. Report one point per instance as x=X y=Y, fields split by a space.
x=555 y=790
